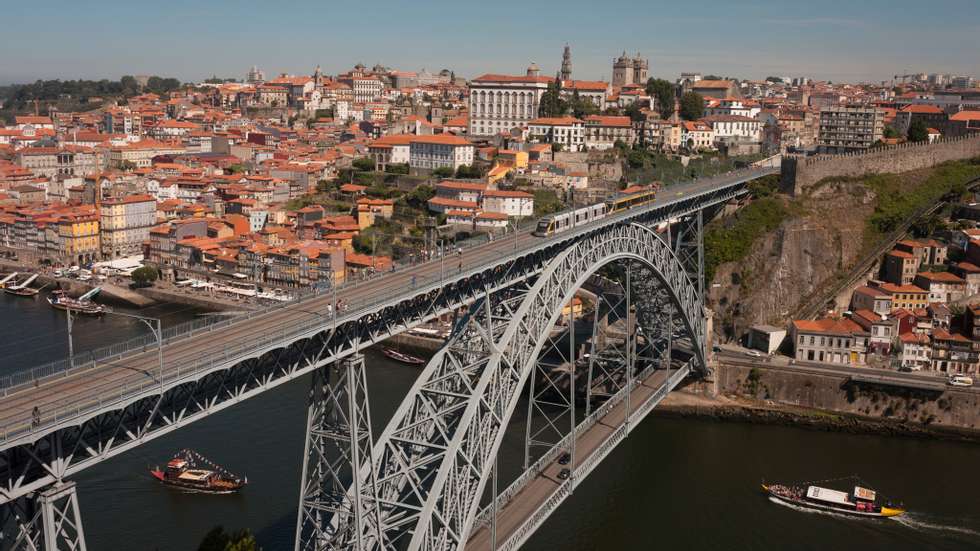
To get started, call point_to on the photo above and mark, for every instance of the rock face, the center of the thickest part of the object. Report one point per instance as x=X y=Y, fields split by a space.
x=788 y=265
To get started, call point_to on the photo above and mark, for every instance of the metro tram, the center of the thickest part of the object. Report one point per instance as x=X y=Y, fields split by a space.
x=563 y=221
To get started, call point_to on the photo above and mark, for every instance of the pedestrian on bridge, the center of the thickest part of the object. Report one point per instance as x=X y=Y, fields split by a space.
x=35 y=417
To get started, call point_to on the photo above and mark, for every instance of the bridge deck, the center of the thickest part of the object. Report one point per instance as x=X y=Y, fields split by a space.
x=517 y=512
x=61 y=397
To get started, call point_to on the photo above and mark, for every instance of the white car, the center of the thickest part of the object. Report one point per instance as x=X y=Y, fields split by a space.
x=753 y=353
x=960 y=380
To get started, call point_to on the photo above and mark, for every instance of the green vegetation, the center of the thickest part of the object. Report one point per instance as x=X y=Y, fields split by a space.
x=581 y=107
x=644 y=166
x=469 y=171
x=364 y=164
x=145 y=276
x=890 y=132
x=730 y=239
x=546 y=201
x=897 y=203
x=552 y=104
x=443 y=172
x=918 y=131
x=219 y=540
x=73 y=95
x=662 y=92
x=692 y=106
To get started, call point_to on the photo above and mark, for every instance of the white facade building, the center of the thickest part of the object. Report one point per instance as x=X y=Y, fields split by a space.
x=568 y=132
x=501 y=102
x=440 y=150
x=511 y=203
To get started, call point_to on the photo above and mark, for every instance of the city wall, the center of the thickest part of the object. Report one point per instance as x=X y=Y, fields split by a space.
x=952 y=408
x=799 y=173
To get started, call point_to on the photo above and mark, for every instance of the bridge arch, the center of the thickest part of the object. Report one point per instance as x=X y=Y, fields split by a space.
x=432 y=462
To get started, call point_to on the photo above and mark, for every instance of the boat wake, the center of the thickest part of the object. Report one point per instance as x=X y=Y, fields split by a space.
x=809 y=510
x=916 y=522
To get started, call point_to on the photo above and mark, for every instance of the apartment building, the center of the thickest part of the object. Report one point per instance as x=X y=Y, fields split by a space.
x=126 y=224
x=845 y=129
x=829 y=340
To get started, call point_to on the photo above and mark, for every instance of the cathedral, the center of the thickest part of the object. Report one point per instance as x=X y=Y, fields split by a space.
x=630 y=71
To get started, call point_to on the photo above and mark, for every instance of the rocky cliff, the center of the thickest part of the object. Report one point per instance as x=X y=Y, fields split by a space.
x=787 y=265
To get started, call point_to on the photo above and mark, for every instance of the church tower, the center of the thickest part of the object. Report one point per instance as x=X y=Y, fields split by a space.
x=566 y=63
x=640 y=68
x=622 y=70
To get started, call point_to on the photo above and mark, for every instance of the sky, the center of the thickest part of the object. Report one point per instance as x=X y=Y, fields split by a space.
x=853 y=40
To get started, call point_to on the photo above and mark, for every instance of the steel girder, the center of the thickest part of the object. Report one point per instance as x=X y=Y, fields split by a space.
x=33 y=461
x=50 y=457
x=434 y=457
x=338 y=435
x=47 y=521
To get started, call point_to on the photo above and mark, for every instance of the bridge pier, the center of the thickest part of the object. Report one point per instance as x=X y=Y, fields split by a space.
x=49 y=520
x=338 y=436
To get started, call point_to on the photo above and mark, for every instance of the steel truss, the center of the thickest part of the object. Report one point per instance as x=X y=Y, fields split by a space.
x=33 y=460
x=47 y=521
x=338 y=435
x=434 y=458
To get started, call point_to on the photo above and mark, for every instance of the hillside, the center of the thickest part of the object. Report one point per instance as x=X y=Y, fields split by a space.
x=771 y=256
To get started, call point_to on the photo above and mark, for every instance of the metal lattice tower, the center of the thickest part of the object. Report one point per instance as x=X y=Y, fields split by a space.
x=338 y=435
x=48 y=521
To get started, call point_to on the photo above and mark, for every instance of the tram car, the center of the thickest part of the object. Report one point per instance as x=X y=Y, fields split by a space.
x=562 y=221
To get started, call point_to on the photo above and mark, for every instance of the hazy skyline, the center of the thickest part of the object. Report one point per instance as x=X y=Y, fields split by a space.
x=842 y=41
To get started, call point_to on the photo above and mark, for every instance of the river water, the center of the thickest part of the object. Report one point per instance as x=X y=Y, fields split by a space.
x=675 y=483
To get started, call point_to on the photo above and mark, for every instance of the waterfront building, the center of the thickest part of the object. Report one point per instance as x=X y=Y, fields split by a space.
x=829 y=340
x=125 y=224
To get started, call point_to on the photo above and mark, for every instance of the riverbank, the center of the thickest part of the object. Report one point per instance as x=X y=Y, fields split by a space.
x=115 y=290
x=738 y=409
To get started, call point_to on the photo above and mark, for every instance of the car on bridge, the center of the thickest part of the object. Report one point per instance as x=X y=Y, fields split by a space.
x=960 y=380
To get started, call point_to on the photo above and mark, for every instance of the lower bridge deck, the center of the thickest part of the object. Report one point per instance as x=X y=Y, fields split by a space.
x=532 y=500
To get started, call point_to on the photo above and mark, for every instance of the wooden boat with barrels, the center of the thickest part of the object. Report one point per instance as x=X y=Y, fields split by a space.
x=192 y=472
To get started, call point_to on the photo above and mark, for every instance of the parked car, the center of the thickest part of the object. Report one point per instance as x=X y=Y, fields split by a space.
x=564 y=474
x=754 y=353
x=960 y=380
x=564 y=459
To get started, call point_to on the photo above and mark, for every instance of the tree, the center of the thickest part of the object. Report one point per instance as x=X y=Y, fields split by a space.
x=236 y=168
x=634 y=113
x=468 y=171
x=663 y=94
x=364 y=164
x=552 y=104
x=692 y=106
x=242 y=541
x=582 y=107
x=918 y=131
x=419 y=197
x=443 y=172
x=890 y=132
x=145 y=276
x=215 y=540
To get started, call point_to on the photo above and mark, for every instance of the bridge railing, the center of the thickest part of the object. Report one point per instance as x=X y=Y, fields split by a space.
x=177 y=372
x=546 y=459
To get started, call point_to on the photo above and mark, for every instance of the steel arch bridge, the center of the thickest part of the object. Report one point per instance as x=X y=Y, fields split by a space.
x=123 y=401
x=419 y=486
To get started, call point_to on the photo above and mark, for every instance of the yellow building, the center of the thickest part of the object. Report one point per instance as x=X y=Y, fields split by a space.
x=369 y=209
x=513 y=158
x=79 y=237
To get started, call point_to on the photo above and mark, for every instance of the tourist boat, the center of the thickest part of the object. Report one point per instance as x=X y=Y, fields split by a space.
x=59 y=299
x=187 y=471
x=861 y=502
x=22 y=289
x=402 y=357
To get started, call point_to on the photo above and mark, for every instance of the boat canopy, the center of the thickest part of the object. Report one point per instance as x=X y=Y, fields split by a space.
x=827 y=495
x=864 y=493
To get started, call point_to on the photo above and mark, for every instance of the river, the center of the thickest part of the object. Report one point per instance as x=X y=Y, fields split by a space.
x=675 y=483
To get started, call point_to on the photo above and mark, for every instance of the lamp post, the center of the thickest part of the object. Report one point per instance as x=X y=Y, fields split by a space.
x=155 y=328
